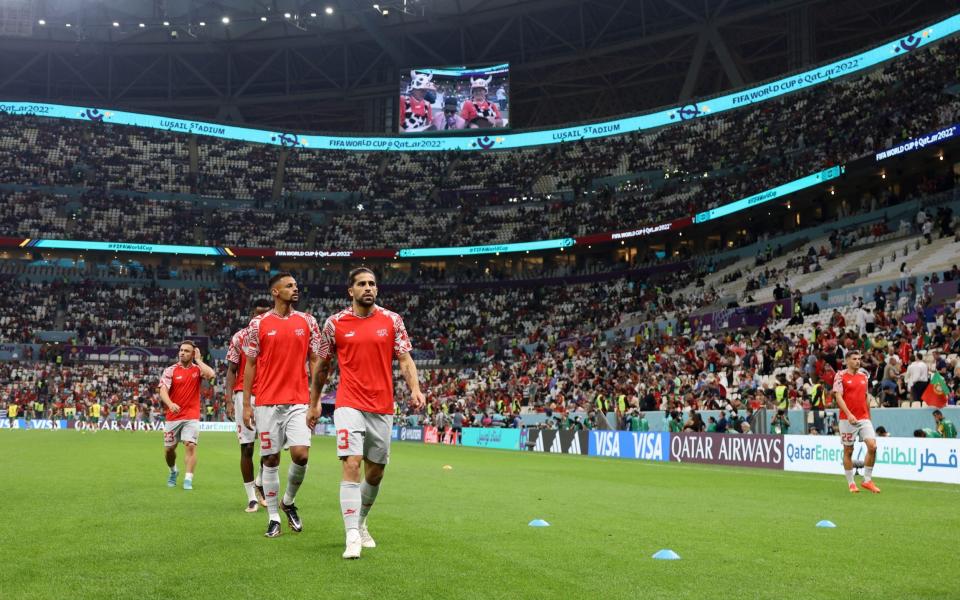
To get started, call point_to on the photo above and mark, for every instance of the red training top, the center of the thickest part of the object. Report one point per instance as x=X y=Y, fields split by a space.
x=365 y=348
x=183 y=386
x=281 y=346
x=853 y=387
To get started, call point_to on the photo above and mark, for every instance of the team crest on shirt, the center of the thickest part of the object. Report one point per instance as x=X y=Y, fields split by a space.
x=381 y=333
x=179 y=377
x=299 y=332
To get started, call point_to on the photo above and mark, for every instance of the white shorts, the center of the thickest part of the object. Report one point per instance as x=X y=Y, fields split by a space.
x=863 y=431
x=363 y=434
x=244 y=435
x=186 y=431
x=280 y=426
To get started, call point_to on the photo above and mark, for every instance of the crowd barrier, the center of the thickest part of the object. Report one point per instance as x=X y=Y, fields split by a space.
x=912 y=459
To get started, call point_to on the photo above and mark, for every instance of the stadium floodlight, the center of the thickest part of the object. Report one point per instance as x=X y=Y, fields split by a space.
x=142 y=25
x=68 y=25
x=166 y=23
x=263 y=19
x=286 y=15
x=328 y=10
x=203 y=23
x=116 y=24
x=42 y=22
x=313 y=15
x=225 y=20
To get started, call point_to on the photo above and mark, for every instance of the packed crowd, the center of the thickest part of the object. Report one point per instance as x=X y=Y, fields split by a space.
x=466 y=198
x=558 y=350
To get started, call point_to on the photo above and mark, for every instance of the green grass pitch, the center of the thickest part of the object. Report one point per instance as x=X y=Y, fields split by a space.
x=89 y=516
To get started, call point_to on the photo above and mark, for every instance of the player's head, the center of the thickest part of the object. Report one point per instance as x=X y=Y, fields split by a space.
x=919 y=433
x=185 y=353
x=853 y=360
x=362 y=287
x=260 y=306
x=283 y=288
x=937 y=415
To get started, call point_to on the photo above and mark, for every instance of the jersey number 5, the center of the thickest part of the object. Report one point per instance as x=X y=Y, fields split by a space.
x=265 y=443
x=343 y=441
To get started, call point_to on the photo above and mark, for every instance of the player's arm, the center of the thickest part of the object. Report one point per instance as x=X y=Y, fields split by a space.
x=232 y=369
x=166 y=381
x=249 y=375
x=323 y=343
x=838 y=396
x=408 y=369
x=206 y=371
x=320 y=367
x=165 y=398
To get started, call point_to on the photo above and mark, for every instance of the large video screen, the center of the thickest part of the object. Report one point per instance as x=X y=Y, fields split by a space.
x=454 y=98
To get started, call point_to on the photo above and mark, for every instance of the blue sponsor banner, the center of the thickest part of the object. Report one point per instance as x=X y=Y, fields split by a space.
x=34 y=424
x=395 y=433
x=493 y=249
x=669 y=116
x=780 y=191
x=630 y=444
x=126 y=247
x=921 y=142
x=410 y=434
x=483 y=437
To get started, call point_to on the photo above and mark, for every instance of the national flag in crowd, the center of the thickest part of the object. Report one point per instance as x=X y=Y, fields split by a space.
x=936 y=392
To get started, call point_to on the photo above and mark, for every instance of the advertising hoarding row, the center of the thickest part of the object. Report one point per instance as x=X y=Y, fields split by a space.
x=912 y=459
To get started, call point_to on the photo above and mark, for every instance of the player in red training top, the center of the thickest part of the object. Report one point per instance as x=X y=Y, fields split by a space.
x=366 y=338
x=850 y=390
x=180 y=393
x=279 y=345
x=236 y=361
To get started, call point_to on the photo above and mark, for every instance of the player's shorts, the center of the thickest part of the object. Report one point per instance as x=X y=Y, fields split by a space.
x=280 y=426
x=246 y=436
x=863 y=431
x=364 y=434
x=186 y=431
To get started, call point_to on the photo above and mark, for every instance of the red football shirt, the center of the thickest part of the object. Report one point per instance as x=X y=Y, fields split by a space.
x=281 y=346
x=236 y=356
x=183 y=387
x=853 y=387
x=365 y=348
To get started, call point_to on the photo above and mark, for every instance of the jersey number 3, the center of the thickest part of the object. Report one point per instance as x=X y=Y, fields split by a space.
x=343 y=441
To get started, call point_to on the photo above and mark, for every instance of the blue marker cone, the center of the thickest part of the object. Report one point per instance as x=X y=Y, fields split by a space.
x=826 y=524
x=666 y=554
x=539 y=523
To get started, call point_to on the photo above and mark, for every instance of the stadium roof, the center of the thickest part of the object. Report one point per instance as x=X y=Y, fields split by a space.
x=297 y=65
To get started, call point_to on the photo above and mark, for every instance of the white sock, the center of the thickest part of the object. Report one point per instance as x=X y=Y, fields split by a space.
x=294 y=478
x=849 y=474
x=867 y=473
x=257 y=481
x=251 y=494
x=188 y=477
x=173 y=469
x=350 y=505
x=271 y=487
x=368 y=494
